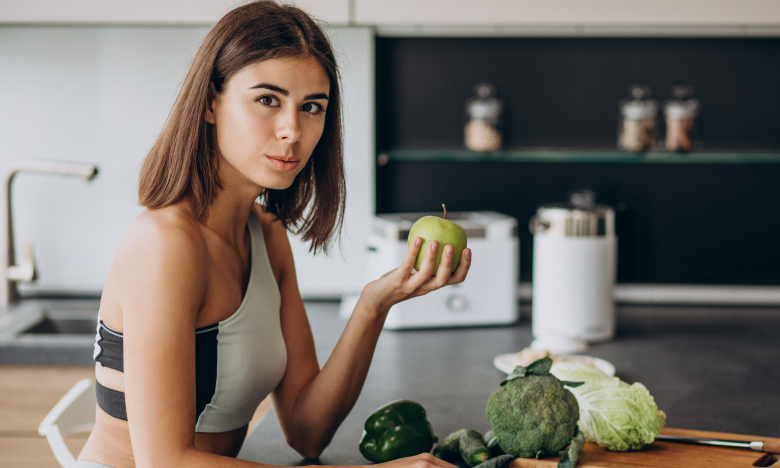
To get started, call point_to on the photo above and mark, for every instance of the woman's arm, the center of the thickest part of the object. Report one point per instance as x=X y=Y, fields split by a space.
x=163 y=271
x=163 y=278
x=310 y=403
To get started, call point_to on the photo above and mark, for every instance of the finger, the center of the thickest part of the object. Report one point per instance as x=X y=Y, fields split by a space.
x=463 y=267
x=436 y=461
x=444 y=271
x=442 y=463
x=426 y=269
x=442 y=276
x=411 y=256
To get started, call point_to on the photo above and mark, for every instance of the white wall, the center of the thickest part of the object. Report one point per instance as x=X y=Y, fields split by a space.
x=345 y=271
x=100 y=94
x=180 y=12
x=569 y=12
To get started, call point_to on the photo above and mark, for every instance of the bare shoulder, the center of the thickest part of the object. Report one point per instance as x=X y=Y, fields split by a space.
x=162 y=240
x=169 y=229
x=163 y=257
x=276 y=241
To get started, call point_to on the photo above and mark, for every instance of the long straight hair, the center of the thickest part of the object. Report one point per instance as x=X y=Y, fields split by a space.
x=183 y=160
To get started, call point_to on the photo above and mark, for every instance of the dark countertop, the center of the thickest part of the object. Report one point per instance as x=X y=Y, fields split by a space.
x=709 y=368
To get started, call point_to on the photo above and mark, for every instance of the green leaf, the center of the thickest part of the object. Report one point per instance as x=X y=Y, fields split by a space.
x=539 y=367
x=617 y=416
x=501 y=461
x=572 y=384
x=570 y=457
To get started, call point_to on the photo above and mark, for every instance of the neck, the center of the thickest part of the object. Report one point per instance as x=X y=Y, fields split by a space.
x=228 y=215
x=230 y=209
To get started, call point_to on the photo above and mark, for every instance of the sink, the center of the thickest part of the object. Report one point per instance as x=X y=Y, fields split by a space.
x=65 y=322
x=49 y=331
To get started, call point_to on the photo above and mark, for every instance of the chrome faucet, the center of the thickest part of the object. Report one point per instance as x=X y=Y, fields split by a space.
x=10 y=273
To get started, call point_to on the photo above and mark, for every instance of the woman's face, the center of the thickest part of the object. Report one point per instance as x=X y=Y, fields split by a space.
x=268 y=119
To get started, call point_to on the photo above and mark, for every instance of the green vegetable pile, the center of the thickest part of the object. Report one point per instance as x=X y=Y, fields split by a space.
x=532 y=414
x=612 y=413
x=472 y=448
x=484 y=452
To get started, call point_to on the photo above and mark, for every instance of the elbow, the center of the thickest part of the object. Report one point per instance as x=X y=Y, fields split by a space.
x=309 y=448
x=310 y=454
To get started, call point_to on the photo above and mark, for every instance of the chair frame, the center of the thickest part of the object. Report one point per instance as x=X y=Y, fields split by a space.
x=75 y=412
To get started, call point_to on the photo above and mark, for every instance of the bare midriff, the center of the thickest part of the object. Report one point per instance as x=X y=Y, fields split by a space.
x=109 y=442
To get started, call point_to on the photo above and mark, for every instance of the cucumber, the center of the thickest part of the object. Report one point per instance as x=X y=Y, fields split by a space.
x=449 y=448
x=491 y=442
x=473 y=448
x=501 y=461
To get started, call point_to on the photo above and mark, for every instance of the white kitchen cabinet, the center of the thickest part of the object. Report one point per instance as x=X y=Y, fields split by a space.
x=689 y=13
x=335 y=12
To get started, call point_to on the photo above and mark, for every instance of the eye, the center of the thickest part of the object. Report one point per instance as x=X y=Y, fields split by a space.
x=312 y=108
x=268 y=100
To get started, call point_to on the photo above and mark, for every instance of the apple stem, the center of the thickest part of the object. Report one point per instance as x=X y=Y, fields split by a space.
x=445 y=210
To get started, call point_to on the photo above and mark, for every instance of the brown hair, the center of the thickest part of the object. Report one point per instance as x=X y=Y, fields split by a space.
x=182 y=160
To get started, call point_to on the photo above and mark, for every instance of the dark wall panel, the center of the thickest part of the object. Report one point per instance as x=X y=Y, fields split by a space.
x=564 y=92
x=707 y=224
x=697 y=223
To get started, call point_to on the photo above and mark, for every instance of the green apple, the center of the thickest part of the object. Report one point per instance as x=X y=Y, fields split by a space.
x=433 y=228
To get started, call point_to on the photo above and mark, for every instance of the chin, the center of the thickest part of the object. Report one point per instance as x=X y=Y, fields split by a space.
x=280 y=182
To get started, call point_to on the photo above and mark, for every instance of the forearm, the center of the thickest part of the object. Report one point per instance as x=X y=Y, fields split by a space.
x=194 y=458
x=324 y=403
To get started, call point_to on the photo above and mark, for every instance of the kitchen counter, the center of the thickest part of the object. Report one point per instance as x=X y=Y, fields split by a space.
x=709 y=368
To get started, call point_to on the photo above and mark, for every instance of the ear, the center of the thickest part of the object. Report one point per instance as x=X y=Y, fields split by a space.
x=210 y=115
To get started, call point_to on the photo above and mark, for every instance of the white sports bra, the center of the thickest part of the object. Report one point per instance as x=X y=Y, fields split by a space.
x=239 y=360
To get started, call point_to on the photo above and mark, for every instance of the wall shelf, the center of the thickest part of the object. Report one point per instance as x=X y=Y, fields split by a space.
x=559 y=156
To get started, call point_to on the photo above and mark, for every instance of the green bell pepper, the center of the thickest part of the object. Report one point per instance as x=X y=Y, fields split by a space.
x=397 y=430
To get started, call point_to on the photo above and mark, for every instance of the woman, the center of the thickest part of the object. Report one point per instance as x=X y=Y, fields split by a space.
x=201 y=309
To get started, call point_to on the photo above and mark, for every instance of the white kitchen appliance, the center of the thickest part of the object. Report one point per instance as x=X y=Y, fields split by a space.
x=489 y=294
x=574 y=267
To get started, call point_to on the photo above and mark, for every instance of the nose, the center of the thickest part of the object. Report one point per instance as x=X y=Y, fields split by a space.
x=288 y=127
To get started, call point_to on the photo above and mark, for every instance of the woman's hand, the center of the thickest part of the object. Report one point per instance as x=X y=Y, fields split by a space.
x=423 y=460
x=404 y=283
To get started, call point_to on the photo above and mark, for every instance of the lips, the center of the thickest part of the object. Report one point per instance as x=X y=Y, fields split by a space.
x=284 y=163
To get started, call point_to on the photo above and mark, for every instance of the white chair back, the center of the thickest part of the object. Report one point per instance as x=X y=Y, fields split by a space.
x=75 y=412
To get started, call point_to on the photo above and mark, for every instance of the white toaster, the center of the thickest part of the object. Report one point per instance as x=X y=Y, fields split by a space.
x=487 y=297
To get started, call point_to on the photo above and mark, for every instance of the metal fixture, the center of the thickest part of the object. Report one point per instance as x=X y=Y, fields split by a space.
x=10 y=273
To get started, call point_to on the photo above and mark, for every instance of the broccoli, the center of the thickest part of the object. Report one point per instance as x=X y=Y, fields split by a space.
x=532 y=414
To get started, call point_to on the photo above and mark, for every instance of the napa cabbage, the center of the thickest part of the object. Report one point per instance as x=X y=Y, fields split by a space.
x=613 y=414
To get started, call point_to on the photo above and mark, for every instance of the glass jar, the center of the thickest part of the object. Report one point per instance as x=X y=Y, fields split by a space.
x=482 y=131
x=680 y=116
x=637 y=130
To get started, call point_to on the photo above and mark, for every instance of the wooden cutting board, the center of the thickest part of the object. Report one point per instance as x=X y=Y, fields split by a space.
x=668 y=454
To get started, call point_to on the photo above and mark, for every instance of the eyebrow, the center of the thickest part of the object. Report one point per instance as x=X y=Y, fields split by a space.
x=315 y=96
x=286 y=93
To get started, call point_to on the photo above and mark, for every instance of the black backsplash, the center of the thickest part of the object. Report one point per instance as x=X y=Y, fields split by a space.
x=705 y=224
x=564 y=92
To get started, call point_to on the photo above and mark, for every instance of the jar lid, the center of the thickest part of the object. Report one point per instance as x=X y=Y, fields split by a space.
x=680 y=109
x=570 y=220
x=484 y=108
x=639 y=109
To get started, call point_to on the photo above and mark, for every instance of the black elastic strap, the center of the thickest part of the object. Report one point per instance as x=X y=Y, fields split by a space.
x=109 y=348
x=206 y=344
x=111 y=401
